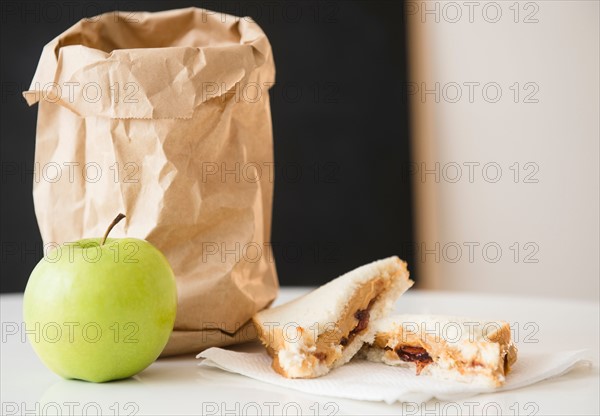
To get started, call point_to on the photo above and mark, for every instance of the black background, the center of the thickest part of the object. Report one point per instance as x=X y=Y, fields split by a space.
x=340 y=130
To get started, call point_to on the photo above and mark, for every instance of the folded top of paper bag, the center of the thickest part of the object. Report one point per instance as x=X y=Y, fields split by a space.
x=149 y=65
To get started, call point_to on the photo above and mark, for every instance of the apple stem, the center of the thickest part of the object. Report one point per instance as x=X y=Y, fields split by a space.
x=111 y=226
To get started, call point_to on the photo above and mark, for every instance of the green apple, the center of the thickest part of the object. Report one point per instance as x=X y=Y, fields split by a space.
x=100 y=309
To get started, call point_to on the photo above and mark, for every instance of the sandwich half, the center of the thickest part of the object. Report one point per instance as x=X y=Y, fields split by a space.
x=323 y=329
x=453 y=348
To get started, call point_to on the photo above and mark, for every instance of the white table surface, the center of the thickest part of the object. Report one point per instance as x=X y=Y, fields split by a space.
x=179 y=386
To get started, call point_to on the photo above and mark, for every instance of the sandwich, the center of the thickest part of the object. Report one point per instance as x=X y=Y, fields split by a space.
x=325 y=328
x=449 y=348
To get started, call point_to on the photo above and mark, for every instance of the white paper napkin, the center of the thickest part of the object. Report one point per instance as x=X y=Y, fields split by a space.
x=365 y=380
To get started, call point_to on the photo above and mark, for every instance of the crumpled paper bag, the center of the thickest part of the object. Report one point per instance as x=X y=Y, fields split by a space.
x=165 y=117
x=365 y=380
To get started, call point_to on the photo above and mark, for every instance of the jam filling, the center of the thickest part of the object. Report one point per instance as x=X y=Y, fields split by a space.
x=362 y=316
x=416 y=355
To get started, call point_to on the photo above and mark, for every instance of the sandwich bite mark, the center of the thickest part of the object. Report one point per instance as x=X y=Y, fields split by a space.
x=477 y=352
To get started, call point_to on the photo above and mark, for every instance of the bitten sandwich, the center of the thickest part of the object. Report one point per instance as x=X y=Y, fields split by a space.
x=451 y=348
x=323 y=329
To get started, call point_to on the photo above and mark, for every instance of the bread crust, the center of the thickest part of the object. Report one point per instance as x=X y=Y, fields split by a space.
x=316 y=333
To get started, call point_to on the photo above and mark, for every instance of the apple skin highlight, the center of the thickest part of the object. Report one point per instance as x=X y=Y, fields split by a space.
x=100 y=312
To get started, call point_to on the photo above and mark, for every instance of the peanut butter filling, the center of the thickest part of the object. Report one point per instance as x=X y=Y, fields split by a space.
x=336 y=336
x=354 y=321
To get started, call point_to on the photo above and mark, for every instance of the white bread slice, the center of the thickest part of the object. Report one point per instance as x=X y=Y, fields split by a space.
x=456 y=348
x=309 y=336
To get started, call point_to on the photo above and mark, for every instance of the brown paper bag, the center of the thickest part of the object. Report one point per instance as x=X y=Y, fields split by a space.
x=165 y=117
